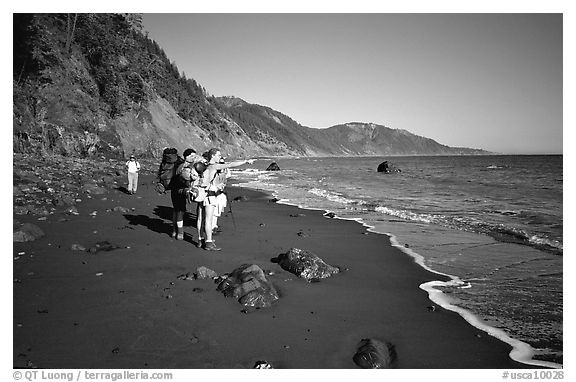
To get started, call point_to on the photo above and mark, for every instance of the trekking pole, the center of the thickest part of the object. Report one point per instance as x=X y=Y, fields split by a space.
x=231 y=214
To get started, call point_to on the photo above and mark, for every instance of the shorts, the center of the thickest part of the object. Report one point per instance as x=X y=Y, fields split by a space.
x=178 y=197
x=221 y=202
x=218 y=201
x=210 y=201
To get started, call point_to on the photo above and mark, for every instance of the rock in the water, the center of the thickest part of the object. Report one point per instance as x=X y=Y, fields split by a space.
x=387 y=167
x=28 y=232
x=383 y=167
x=205 y=273
x=249 y=286
x=273 y=167
x=374 y=354
x=305 y=264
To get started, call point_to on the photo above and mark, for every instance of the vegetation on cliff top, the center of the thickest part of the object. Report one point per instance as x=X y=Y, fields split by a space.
x=73 y=73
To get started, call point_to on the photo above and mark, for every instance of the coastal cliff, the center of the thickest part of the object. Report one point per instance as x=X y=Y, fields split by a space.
x=96 y=85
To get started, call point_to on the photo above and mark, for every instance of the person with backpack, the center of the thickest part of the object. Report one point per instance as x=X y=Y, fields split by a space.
x=133 y=168
x=167 y=169
x=179 y=186
x=209 y=205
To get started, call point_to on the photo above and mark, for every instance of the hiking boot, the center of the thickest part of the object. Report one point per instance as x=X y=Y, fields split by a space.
x=211 y=246
x=180 y=234
x=200 y=243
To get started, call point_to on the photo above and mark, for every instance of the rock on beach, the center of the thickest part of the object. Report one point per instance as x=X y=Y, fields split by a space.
x=28 y=232
x=92 y=188
x=249 y=286
x=205 y=273
x=374 y=354
x=305 y=264
x=43 y=184
x=103 y=246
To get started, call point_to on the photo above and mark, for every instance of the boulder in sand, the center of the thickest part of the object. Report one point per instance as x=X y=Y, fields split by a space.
x=249 y=286
x=374 y=354
x=28 y=232
x=103 y=246
x=273 y=167
x=205 y=273
x=305 y=264
x=121 y=209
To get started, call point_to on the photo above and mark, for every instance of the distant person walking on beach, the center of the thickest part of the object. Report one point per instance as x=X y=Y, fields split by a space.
x=180 y=184
x=133 y=168
x=209 y=206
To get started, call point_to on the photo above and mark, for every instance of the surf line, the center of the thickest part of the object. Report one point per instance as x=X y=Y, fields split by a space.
x=521 y=351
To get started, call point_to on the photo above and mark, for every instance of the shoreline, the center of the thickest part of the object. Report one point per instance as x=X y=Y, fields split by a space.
x=521 y=351
x=74 y=309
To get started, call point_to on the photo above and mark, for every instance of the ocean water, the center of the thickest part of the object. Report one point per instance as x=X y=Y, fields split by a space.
x=493 y=224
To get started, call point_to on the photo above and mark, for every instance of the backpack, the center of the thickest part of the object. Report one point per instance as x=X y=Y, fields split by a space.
x=165 y=179
x=196 y=188
x=196 y=192
x=189 y=172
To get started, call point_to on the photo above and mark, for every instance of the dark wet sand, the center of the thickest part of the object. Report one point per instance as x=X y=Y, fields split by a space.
x=137 y=314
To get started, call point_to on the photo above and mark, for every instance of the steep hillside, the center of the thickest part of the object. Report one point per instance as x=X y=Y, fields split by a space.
x=96 y=85
x=356 y=138
x=370 y=139
x=272 y=130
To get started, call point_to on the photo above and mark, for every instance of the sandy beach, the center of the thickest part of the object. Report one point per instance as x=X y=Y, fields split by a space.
x=127 y=308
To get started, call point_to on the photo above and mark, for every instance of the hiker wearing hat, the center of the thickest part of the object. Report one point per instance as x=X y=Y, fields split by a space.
x=133 y=168
x=209 y=205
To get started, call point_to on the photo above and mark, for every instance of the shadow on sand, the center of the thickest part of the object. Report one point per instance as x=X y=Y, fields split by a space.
x=123 y=189
x=163 y=222
x=164 y=212
x=153 y=224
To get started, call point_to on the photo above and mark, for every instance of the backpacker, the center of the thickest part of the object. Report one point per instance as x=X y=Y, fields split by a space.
x=165 y=178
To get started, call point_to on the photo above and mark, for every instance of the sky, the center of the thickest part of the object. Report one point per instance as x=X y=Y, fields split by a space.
x=489 y=81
